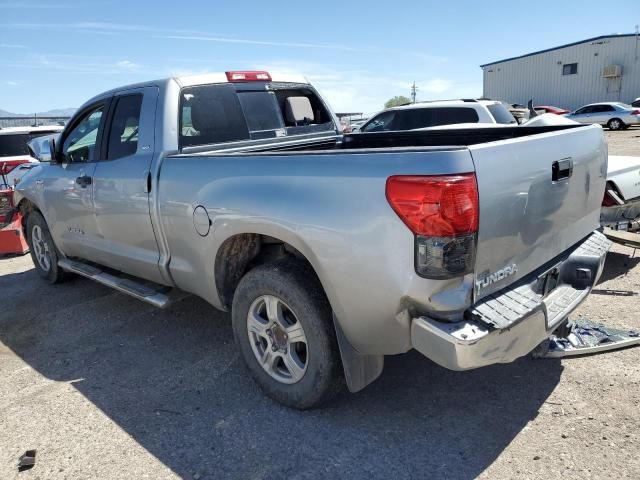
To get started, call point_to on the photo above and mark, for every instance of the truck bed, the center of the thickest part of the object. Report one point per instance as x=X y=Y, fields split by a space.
x=445 y=137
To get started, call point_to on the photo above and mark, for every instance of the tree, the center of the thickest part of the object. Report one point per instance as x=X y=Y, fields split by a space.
x=397 y=100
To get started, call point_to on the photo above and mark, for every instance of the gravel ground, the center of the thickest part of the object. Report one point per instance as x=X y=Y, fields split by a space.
x=625 y=142
x=104 y=386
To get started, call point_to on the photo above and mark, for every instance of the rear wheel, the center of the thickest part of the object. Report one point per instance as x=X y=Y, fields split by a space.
x=283 y=325
x=43 y=251
x=615 y=124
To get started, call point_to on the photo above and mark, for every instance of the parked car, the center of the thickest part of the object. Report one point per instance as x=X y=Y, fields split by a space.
x=14 y=152
x=621 y=203
x=442 y=112
x=550 y=109
x=330 y=251
x=613 y=115
x=356 y=125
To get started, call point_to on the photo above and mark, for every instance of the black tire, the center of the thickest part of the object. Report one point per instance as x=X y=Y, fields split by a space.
x=51 y=272
x=615 y=124
x=295 y=284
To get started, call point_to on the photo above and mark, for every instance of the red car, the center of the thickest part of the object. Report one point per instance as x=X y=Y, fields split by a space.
x=548 y=109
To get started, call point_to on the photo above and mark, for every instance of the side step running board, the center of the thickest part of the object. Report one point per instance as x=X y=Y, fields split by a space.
x=124 y=285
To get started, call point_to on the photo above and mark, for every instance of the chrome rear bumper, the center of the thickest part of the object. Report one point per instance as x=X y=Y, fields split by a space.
x=510 y=323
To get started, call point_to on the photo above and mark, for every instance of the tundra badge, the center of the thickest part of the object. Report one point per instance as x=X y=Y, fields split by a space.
x=496 y=277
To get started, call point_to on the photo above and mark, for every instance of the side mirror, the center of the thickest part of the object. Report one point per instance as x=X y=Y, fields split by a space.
x=53 y=158
x=43 y=148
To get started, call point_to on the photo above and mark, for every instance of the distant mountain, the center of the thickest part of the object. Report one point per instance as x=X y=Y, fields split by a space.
x=59 y=112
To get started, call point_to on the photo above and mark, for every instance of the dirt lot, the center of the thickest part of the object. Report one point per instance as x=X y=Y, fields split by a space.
x=104 y=386
x=626 y=142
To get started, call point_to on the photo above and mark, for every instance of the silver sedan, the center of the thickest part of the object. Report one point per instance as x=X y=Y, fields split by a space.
x=613 y=115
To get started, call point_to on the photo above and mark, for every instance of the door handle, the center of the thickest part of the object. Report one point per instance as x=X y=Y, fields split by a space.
x=83 y=181
x=561 y=169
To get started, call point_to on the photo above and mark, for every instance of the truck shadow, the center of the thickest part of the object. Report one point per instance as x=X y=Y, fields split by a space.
x=173 y=381
x=618 y=264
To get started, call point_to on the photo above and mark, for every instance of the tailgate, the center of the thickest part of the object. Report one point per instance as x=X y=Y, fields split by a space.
x=527 y=218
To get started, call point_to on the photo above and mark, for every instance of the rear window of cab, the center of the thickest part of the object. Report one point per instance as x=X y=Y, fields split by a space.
x=220 y=113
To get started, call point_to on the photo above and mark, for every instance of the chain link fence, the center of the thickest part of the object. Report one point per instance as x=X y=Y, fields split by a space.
x=31 y=121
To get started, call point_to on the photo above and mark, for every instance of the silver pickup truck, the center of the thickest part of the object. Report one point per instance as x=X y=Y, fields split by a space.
x=470 y=245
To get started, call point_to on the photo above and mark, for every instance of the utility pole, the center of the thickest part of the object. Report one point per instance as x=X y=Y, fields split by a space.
x=414 y=89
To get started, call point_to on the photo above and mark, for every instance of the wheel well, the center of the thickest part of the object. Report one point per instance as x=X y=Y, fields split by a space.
x=25 y=207
x=242 y=252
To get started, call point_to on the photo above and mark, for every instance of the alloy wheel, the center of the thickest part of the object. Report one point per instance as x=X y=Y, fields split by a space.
x=41 y=248
x=277 y=339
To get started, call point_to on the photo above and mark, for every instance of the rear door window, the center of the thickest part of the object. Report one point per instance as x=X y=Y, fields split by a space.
x=123 y=134
x=453 y=115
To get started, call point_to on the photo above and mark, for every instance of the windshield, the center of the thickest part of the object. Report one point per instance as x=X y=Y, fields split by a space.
x=14 y=145
x=501 y=114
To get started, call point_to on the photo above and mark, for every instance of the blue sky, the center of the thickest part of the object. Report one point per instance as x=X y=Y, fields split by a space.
x=58 y=53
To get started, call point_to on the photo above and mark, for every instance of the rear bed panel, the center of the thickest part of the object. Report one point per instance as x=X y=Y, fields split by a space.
x=526 y=219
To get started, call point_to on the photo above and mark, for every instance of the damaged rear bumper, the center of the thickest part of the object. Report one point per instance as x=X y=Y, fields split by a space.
x=510 y=323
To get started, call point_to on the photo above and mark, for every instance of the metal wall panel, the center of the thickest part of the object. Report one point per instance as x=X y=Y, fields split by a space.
x=539 y=76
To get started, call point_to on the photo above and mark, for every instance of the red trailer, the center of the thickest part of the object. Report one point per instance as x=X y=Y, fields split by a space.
x=12 y=239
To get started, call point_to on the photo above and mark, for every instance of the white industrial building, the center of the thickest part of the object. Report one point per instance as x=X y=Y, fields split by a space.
x=599 y=69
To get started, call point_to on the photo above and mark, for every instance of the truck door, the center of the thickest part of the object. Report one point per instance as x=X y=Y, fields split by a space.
x=67 y=184
x=126 y=240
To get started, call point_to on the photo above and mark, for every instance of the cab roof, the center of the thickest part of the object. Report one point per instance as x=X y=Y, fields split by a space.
x=192 y=80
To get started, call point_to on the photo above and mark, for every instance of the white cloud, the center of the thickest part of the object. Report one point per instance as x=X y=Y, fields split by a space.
x=437 y=85
x=12 y=83
x=12 y=45
x=257 y=42
x=366 y=90
x=105 y=28
x=126 y=64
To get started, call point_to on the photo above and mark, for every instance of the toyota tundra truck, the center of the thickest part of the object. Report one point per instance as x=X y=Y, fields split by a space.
x=469 y=245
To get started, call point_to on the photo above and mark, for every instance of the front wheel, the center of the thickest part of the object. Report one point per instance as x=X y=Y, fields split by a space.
x=615 y=124
x=283 y=325
x=43 y=251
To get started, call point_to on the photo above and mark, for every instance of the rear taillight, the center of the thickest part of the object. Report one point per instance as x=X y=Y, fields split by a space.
x=442 y=211
x=248 y=76
x=635 y=112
